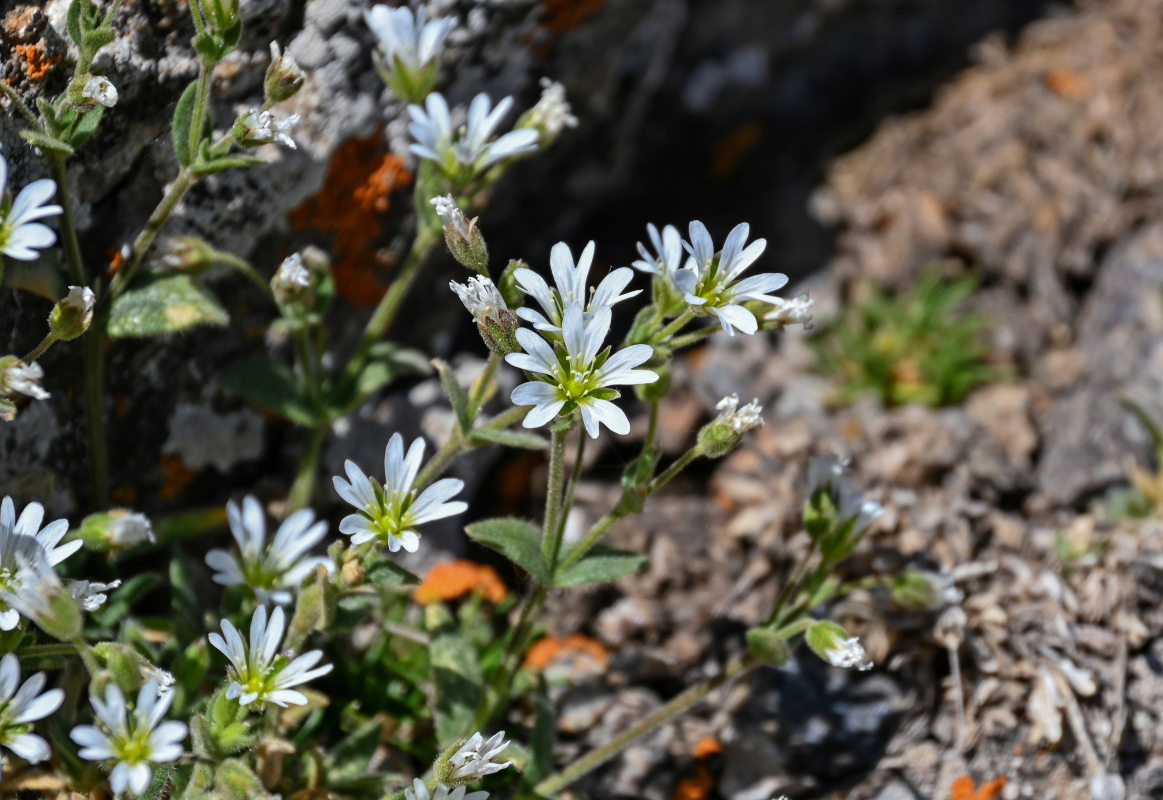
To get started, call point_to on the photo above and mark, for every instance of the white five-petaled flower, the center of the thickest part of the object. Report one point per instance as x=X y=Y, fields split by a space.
x=476 y=758
x=25 y=379
x=134 y=742
x=450 y=214
x=272 y=572
x=390 y=511
x=710 y=282
x=481 y=297
x=578 y=376
x=261 y=673
x=413 y=40
x=848 y=654
x=739 y=419
x=20 y=235
x=100 y=90
x=19 y=707
x=572 y=287
x=419 y=791
x=23 y=545
x=262 y=127
x=472 y=146
x=91 y=595
x=668 y=252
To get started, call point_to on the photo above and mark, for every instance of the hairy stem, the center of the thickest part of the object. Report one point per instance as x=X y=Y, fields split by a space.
x=26 y=112
x=550 y=540
x=304 y=485
x=567 y=504
x=153 y=226
x=41 y=348
x=678 y=705
x=675 y=326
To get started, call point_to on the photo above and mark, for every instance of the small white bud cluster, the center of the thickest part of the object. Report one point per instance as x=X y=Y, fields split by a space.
x=848 y=654
x=552 y=113
x=292 y=280
x=739 y=419
x=262 y=127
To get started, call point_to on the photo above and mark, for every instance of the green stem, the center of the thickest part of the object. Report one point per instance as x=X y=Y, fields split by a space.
x=694 y=337
x=678 y=705
x=201 y=101
x=47 y=650
x=246 y=268
x=571 y=489
x=482 y=386
x=458 y=444
x=153 y=226
x=651 y=427
x=498 y=693
x=675 y=326
x=668 y=474
x=304 y=485
x=86 y=654
x=40 y=349
x=389 y=305
x=550 y=541
x=790 y=587
x=26 y=112
x=114 y=7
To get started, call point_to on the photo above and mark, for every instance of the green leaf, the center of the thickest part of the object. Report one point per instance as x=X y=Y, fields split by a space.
x=456 y=394
x=385 y=363
x=73 y=20
x=229 y=162
x=163 y=305
x=541 y=740
x=231 y=37
x=515 y=539
x=351 y=757
x=86 y=126
x=384 y=573
x=46 y=142
x=271 y=386
x=96 y=39
x=459 y=689
x=183 y=119
x=599 y=565
x=157 y=786
x=521 y=439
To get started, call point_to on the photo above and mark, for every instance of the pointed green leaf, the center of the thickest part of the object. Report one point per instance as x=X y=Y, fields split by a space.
x=96 y=39
x=86 y=126
x=521 y=439
x=73 y=20
x=352 y=756
x=455 y=392
x=46 y=142
x=183 y=119
x=270 y=386
x=599 y=565
x=163 y=305
x=385 y=363
x=515 y=539
x=459 y=689
x=541 y=741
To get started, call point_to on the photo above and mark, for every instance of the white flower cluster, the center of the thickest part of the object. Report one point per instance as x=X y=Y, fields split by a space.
x=472 y=147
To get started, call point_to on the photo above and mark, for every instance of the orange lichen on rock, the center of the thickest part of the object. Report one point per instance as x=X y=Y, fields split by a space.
x=176 y=476
x=564 y=15
x=355 y=193
x=697 y=786
x=706 y=747
x=966 y=788
x=549 y=648
x=37 y=63
x=1065 y=83
x=452 y=579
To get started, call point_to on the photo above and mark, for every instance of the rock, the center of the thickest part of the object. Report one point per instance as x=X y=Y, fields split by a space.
x=202 y=437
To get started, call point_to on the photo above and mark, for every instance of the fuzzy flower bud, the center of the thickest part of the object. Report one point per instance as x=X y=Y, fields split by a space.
x=221 y=14
x=72 y=315
x=291 y=283
x=100 y=90
x=722 y=434
x=188 y=254
x=284 y=78
x=831 y=643
x=496 y=323
x=464 y=240
x=551 y=115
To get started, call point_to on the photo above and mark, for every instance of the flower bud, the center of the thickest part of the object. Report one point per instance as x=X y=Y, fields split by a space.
x=117 y=529
x=464 y=240
x=497 y=325
x=831 y=642
x=42 y=597
x=99 y=90
x=723 y=434
x=188 y=254
x=291 y=283
x=221 y=14
x=510 y=290
x=283 y=78
x=768 y=646
x=71 y=316
x=551 y=115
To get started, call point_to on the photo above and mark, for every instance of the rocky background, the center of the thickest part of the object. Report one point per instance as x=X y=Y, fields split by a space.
x=866 y=139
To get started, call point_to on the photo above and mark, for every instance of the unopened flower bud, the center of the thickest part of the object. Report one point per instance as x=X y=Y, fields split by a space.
x=283 y=78
x=316 y=260
x=42 y=597
x=291 y=283
x=71 y=316
x=116 y=529
x=551 y=115
x=831 y=642
x=188 y=254
x=100 y=90
x=723 y=434
x=510 y=290
x=497 y=325
x=221 y=14
x=768 y=646
x=464 y=240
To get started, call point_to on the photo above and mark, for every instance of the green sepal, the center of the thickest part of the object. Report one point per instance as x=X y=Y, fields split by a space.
x=768 y=646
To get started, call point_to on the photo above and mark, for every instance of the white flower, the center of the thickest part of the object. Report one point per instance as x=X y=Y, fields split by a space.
x=25 y=379
x=849 y=653
x=572 y=287
x=791 y=312
x=476 y=757
x=135 y=742
x=450 y=214
x=90 y=594
x=414 y=41
x=23 y=544
x=471 y=147
x=709 y=282
x=291 y=280
x=480 y=296
x=420 y=792
x=127 y=528
x=390 y=512
x=100 y=90
x=262 y=127
x=20 y=235
x=262 y=674
x=668 y=253
x=18 y=707
x=551 y=115
x=272 y=572
x=579 y=377
x=739 y=419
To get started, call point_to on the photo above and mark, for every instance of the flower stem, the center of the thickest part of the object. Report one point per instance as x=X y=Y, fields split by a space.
x=87 y=656
x=304 y=485
x=47 y=650
x=550 y=542
x=567 y=504
x=678 y=705
x=458 y=444
x=40 y=349
x=483 y=386
x=675 y=326
x=668 y=474
x=26 y=112
x=694 y=337
x=153 y=226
